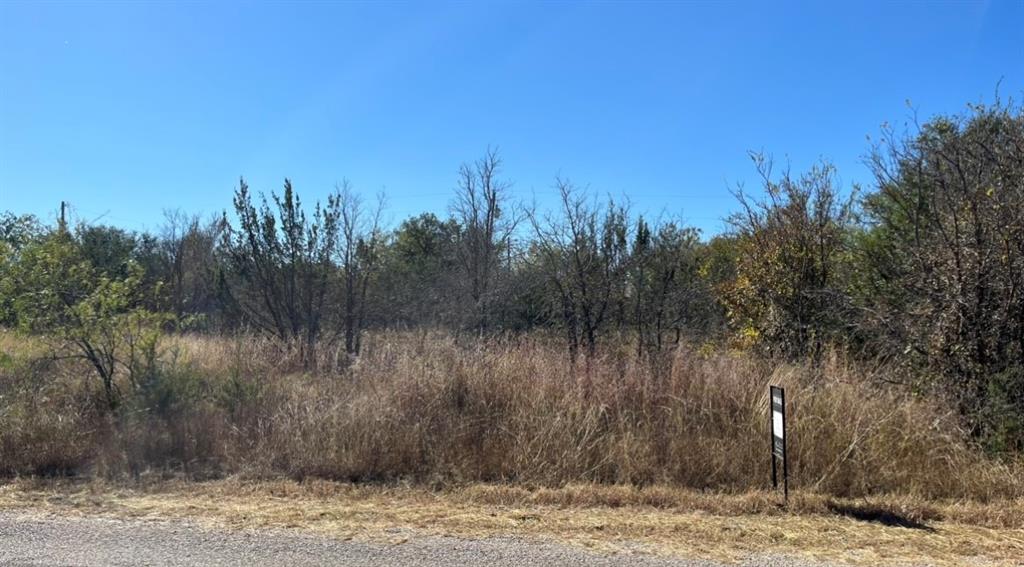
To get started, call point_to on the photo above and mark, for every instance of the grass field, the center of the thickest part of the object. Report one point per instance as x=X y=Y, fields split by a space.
x=655 y=520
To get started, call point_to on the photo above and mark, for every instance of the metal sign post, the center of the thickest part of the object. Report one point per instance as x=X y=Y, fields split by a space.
x=778 y=411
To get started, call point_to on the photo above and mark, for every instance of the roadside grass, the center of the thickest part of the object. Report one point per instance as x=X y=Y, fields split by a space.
x=433 y=408
x=428 y=434
x=658 y=520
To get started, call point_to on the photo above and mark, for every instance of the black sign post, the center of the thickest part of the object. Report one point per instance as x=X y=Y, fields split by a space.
x=778 y=421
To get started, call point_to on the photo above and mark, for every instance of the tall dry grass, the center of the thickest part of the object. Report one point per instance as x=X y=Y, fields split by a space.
x=426 y=408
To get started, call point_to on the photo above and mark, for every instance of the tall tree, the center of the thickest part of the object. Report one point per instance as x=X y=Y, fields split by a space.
x=487 y=220
x=789 y=290
x=946 y=244
x=670 y=297
x=281 y=265
x=187 y=262
x=358 y=256
x=584 y=252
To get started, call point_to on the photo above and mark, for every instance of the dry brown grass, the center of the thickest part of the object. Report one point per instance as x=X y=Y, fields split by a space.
x=661 y=520
x=427 y=409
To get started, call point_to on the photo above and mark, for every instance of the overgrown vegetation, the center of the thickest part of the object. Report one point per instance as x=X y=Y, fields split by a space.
x=580 y=344
x=425 y=407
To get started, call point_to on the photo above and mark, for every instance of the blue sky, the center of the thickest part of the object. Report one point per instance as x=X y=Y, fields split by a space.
x=127 y=109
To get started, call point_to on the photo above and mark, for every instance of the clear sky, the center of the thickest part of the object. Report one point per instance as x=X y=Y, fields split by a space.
x=126 y=109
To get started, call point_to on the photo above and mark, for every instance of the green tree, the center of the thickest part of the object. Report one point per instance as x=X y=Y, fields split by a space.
x=671 y=296
x=108 y=249
x=789 y=293
x=17 y=231
x=945 y=246
x=280 y=266
x=85 y=313
x=418 y=273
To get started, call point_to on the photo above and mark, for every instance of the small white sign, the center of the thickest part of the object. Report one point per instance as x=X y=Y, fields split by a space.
x=777 y=424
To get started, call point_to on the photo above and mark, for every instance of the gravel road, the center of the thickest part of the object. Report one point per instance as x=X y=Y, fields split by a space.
x=37 y=540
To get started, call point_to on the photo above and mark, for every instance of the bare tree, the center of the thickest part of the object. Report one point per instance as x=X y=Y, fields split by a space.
x=584 y=253
x=487 y=220
x=358 y=255
x=188 y=262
